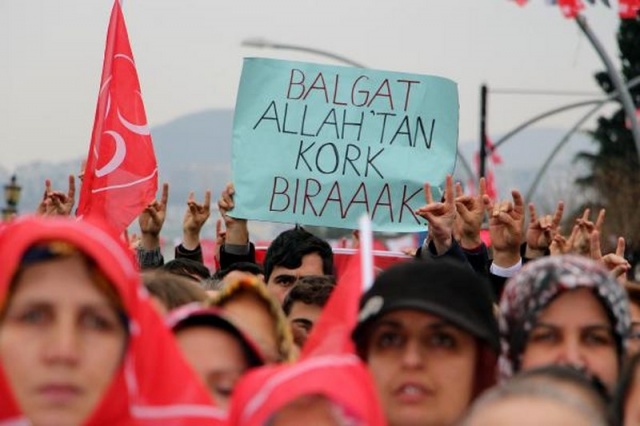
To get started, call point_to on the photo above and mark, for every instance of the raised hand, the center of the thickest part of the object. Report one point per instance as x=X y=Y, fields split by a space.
x=194 y=219
x=542 y=230
x=132 y=241
x=470 y=215
x=152 y=219
x=506 y=223
x=582 y=243
x=57 y=203
x=440 y=215
x=561 y=245
x=237 y=231
x=614 y=262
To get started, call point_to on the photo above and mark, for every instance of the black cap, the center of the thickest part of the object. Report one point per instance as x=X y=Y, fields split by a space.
x=446 y=288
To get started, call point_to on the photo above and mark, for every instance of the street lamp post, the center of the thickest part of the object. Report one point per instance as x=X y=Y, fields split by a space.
x=268 y=44
x=11 y=198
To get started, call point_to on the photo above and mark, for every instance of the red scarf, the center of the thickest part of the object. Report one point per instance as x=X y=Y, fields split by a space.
x=153 y=385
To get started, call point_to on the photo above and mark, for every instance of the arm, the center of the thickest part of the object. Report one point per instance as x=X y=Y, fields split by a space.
x=236 y=241
x=151 y=221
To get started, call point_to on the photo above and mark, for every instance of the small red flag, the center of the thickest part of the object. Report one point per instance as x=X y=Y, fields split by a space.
x=332 y=332
x=570 y=8
x=121 y=175
x=628 y=9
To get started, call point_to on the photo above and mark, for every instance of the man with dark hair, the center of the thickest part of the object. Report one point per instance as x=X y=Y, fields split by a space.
x=293 y=254
x=303 y=304
x=249 y=267
x=187 y=268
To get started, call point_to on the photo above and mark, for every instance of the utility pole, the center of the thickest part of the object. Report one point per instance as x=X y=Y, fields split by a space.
x=483 y=131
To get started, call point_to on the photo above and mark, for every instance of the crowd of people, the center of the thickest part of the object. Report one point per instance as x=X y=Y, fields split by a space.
x=96 y=329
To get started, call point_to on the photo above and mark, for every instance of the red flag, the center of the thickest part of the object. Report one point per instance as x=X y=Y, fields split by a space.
x=570 y=8
x=332 y=332
x=627 y=122
x=628 y=9
x=521 y=2
x=495 y=159
x=121 y=175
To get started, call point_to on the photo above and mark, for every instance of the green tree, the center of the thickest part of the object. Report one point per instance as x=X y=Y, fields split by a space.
x=613 y=181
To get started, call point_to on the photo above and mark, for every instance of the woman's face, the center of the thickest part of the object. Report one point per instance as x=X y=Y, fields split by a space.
x=574 y=329
x=423 y=367
x=60 y=342
x=216 y=357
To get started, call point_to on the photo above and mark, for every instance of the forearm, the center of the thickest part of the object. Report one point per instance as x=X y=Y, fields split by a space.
x=237 y=232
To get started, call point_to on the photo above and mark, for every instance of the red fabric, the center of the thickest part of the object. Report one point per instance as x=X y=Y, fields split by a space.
x=342 y=379
x=493 y=153
x=332 y=332
x=628 y=9
x=627 y=122
x=209 y=253
x=154 y=385
x=121 y=174
x=570 y=8
x=495 y=159
x=328 y=366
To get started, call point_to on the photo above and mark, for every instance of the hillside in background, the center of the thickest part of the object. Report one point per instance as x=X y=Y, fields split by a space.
x=194 y=154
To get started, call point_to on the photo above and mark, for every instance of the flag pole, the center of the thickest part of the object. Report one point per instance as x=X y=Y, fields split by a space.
x=623 y=91
x=366 y=251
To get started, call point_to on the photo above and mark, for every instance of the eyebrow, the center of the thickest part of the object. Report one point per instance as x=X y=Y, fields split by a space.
x=39 y=303
x=588 y=326
x=302 y=321
x=287 y=276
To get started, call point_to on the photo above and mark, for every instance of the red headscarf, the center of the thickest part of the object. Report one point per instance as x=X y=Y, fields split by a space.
x=342 y=379
x=328 y=367
x=153 y=385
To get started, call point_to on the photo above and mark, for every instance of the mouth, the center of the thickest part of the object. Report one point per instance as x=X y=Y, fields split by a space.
x=411 y=393
x=59 y=393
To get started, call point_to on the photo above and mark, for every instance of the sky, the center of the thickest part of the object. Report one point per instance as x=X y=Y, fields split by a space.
x=189 y=57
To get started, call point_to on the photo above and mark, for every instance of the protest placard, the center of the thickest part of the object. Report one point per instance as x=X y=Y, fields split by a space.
x=320 y=145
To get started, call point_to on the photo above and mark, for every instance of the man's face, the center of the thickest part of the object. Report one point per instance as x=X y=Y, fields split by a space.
x=282 y=279
x=302 y=318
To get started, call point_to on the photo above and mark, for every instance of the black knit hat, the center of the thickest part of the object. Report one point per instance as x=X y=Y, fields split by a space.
x=446 y=288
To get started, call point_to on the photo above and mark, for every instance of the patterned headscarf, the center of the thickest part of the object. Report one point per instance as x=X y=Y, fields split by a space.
x=530 y=291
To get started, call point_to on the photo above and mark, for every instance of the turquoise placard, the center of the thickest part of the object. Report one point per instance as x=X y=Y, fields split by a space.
x=320 y=145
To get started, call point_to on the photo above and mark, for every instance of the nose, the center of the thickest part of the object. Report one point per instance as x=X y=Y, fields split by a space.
x=570 y=353
x=62 y=344
x=412 y=356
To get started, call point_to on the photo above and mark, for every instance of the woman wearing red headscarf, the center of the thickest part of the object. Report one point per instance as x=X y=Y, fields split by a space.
x=79 y=341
